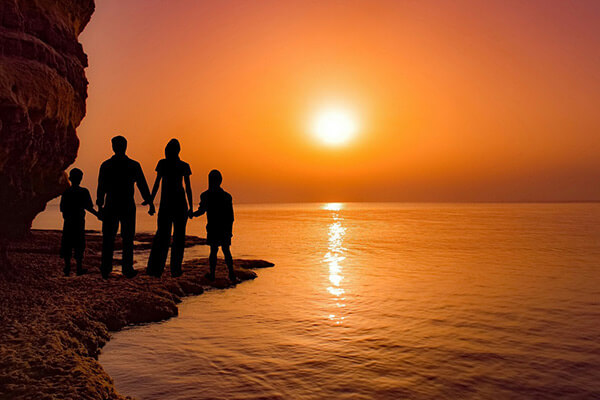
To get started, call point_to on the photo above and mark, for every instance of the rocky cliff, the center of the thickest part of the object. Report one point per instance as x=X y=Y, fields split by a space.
x=43 y=90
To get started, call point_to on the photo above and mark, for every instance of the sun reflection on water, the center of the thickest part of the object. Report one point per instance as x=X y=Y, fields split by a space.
x=333 y=206
x=334 y=259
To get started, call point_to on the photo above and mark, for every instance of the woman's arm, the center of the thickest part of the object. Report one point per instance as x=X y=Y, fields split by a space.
x=188 y=191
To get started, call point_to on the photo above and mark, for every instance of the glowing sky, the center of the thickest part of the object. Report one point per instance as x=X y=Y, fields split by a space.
x=457 y=100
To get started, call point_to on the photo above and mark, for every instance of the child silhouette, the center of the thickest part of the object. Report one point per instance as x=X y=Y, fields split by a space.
x=73 y=203
x=218 y=206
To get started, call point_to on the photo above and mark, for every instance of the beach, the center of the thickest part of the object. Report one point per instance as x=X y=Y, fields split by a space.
x=53 y=326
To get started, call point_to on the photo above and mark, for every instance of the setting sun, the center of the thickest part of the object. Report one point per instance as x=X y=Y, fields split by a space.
x=334 y=127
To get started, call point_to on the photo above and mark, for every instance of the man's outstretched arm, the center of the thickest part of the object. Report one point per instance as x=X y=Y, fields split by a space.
x=140 y=181
x=101 y=192
x=188 y=192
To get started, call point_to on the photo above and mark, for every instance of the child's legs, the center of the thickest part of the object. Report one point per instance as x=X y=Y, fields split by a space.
x=212 y=258
x=68 y=243
x=179 y=223
x=79 y=243
x=228 y=258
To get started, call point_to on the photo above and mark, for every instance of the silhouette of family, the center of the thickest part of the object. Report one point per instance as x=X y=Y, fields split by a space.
x=117 y=179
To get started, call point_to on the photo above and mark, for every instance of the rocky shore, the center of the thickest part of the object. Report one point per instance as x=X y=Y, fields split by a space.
x=53 y=327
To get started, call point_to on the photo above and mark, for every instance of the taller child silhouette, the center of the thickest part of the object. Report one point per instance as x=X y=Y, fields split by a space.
x=115 y=199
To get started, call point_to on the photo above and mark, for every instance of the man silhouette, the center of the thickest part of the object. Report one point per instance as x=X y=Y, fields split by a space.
x=115 y=199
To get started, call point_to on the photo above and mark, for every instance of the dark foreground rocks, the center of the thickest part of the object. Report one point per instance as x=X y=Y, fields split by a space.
x=52 y=327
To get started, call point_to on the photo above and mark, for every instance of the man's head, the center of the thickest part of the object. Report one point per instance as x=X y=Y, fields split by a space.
x=172 y=149
x=119 y=145
x=214 y=179
x=75 y=176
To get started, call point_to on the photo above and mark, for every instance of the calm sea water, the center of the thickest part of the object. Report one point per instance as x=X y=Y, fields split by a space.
x=384 y=301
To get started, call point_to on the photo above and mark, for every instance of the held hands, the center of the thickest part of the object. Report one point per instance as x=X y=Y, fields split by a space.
x=190 y=213
x=151 y=210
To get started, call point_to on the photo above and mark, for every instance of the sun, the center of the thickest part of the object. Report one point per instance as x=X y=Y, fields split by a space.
x=334 y=126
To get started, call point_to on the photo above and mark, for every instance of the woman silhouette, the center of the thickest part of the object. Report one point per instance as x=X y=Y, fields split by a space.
x=173 y=212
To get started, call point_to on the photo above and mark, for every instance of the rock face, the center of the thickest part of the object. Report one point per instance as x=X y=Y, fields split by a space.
x=43 y=90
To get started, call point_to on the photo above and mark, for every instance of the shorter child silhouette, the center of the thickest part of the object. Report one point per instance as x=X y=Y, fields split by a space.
x=73 y=203
x=218 y=206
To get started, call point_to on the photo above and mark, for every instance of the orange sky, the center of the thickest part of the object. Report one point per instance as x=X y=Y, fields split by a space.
x=458 y=101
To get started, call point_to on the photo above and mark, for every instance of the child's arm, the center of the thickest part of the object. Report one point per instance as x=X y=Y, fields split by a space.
x=94 y=212
x=89 y=206
x=201 y=208
x=230 y=215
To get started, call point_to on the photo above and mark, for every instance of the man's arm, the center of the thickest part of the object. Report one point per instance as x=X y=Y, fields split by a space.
x=155 y=188
x=62 y=203
x=142 y=185
x=101 y=192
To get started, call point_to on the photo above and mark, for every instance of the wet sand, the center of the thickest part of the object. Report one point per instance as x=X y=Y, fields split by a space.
x=53 y=327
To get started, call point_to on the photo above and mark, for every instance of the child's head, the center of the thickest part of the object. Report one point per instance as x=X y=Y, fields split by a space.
x=119 y=145
x=172 y=149
x=214 y=179
x=75 y=176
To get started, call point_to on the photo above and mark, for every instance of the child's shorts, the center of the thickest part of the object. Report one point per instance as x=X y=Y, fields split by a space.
x=216 y=237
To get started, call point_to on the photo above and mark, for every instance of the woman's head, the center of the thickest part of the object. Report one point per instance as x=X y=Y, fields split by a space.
x=214 y=179
x=172 y=149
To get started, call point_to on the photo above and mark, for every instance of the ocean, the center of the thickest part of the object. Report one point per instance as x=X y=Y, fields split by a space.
x=382 y=301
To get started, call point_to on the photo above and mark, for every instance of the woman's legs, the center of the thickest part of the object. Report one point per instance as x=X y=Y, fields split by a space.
x=179 y=223
x=160 y=245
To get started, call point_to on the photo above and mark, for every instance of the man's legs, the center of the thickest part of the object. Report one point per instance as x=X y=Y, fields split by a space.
x=229 y=262
x=110 y=225
x=179 y=223
x=127 y=235
x=160 y=245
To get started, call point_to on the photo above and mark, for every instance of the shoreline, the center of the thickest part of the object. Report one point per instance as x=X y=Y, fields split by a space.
x=54 y=326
